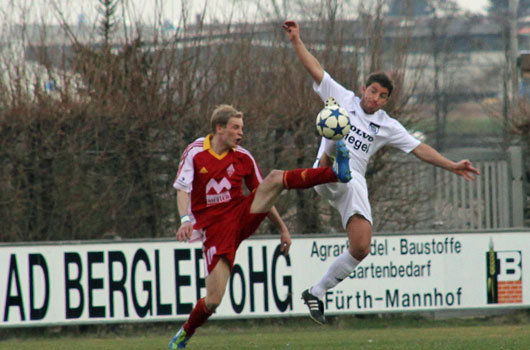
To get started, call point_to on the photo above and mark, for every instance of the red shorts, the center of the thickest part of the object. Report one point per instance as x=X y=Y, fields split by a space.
x=223 y=237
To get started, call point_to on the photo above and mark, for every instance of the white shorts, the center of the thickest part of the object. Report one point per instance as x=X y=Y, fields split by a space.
x=348 y=198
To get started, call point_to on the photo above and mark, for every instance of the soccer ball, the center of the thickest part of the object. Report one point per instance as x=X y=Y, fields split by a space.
x=333 y=122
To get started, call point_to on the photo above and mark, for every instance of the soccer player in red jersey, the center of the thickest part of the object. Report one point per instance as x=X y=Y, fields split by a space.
x=210 y=200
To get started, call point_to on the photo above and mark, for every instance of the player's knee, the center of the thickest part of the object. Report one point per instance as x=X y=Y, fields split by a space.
x=275 y=178
x=360 y=249
x=360 y=234
x=359 y=253
x=277 y=175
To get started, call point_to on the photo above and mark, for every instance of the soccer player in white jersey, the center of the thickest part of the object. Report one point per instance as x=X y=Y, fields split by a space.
x=371 y=129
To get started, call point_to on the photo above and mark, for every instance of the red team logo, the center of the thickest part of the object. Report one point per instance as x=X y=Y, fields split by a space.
x=218 y=192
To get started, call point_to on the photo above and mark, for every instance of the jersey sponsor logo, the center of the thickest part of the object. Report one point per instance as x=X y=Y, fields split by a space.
x=218 y=187
x=360 y=140
x=361 y=133
x=212 y=199
x=203 y=170
x=221 y=190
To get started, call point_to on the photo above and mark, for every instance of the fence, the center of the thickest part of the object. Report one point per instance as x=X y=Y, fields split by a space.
x=495 y=200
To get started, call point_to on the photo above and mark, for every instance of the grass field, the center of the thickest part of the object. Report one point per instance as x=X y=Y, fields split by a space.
x=396 y=332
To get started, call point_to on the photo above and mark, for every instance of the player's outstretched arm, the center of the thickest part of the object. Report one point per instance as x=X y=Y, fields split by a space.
x=309 y=61
x=463 y=168
x=285 y=236
x=186 y=227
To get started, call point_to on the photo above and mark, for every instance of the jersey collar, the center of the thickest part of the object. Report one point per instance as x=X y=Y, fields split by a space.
x=208 y=147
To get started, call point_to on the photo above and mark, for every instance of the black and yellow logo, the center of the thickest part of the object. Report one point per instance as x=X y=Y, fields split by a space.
x=504 y=276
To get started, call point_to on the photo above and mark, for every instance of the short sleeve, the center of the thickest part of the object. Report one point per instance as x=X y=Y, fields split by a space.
x=401 y=139
x=184 y=178
x=330 y=88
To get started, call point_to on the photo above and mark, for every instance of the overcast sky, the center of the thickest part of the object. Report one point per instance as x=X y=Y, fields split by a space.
x=149 y=11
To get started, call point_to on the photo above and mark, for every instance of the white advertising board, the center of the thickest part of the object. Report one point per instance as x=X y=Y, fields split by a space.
x=83 y=283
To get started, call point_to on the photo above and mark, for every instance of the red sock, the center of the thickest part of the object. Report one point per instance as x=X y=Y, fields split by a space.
x=199 y=315
x=309 y=177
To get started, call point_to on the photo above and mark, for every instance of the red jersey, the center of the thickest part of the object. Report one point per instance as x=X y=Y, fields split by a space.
x=215 y=181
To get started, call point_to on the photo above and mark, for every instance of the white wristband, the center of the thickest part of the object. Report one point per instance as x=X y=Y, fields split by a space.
x=184 y=219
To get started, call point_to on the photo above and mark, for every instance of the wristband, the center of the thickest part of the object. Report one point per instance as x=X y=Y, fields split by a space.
x=184 y=219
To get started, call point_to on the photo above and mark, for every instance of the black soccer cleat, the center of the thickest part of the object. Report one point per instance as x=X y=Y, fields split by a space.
x=316 y=307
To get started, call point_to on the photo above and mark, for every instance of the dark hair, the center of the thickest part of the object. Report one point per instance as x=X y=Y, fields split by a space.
x=382 y=79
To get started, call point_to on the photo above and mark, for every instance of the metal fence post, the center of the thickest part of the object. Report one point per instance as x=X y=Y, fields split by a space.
x=516 y=165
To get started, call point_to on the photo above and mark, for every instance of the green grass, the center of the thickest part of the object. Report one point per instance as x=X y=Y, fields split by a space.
x=298 y=333
x=479 y=126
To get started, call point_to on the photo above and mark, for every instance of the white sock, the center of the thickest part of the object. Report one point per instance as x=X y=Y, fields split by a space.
x=341 y=268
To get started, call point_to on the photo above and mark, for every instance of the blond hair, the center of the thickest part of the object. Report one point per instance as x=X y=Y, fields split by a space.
x=222 y=114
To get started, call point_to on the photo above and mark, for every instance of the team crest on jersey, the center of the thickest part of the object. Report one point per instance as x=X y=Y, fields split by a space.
x=230 y=170
x=220 y=191
x=374 y=127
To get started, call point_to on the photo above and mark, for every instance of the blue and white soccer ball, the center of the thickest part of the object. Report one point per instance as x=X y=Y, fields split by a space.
x=333 y=122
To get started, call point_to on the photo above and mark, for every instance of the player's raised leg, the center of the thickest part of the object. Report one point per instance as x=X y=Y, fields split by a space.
x=268 y=191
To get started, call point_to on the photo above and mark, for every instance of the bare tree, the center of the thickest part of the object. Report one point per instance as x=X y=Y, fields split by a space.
x=98 y=154
x=442 y=19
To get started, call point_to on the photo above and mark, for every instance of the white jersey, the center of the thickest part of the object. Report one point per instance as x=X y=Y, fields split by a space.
x=369 y=132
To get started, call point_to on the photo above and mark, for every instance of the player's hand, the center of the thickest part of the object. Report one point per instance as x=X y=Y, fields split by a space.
x=184 y=232
x=285 y=242
x=292 y=30
x=465 y=169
